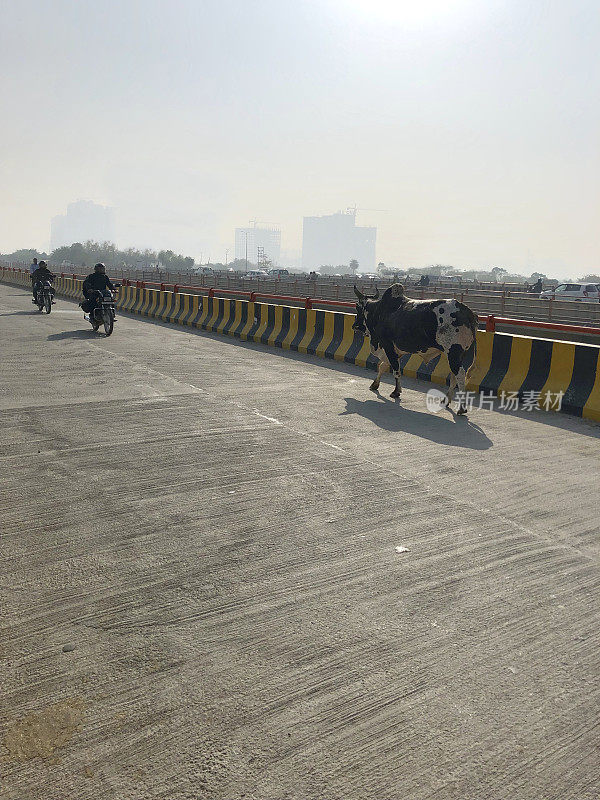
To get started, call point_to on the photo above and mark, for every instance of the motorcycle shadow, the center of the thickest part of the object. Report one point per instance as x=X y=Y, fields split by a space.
x=71 y=335
x=34 y=311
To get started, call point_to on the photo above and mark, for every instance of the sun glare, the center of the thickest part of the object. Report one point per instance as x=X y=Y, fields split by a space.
x=406 y=12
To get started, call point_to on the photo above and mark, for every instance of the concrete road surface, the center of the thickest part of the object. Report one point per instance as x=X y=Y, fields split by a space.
x=202 y=596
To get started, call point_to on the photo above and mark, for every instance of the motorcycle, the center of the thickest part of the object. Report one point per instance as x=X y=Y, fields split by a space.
x=103 y=312
x=45 y=296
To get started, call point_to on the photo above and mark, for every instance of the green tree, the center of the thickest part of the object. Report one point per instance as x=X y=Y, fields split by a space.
x=353 y=265
x=173 y=262
x=91 y=252
x=74 y=254
x=26 y=255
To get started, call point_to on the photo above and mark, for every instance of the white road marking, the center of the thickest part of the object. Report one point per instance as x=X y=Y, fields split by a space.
x=393 y=470
x=335 y=447
x=264 y=416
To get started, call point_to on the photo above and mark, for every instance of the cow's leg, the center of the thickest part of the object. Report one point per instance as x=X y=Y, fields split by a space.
x=451 y=388
x=382 y=367
x=467 y=363
x=395 y=369
x=468 y=360
x=456 y=355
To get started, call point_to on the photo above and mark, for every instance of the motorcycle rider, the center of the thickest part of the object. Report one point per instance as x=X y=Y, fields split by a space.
x=537 y=287
x=98 y=280
x=38 y=277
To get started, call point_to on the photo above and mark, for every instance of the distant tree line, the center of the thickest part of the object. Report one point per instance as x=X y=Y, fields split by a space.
x=497 y=274
x=90 y=253
x=26 y=254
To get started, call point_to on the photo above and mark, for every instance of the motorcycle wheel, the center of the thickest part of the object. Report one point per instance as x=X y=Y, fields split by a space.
x=107 y=319
x=48 y=303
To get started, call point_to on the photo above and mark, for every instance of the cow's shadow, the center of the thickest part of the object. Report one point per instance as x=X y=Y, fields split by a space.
x=445 y=428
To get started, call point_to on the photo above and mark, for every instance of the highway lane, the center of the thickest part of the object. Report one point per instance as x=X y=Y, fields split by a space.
x=202 y=596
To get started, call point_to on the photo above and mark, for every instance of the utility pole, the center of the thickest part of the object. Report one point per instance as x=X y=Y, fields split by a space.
x=246 y=234
x=226 y=257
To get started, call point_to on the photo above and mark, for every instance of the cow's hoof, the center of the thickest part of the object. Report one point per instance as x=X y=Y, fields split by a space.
x=395 y=393
x=374 y=387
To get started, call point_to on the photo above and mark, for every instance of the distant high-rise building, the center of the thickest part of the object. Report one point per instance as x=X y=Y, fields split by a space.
x=83 y=221
x=336 y=239
x=249 y=240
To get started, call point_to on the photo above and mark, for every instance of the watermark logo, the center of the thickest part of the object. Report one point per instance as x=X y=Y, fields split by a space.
x=505 y=401
x=435 y=400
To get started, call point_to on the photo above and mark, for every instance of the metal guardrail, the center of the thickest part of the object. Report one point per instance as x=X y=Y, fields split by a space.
x=548 y=318
x=326 y=283
x=490 y=320
x=501 y=302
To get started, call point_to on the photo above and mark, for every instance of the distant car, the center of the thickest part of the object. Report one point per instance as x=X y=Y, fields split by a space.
x=204 y=271
x=370 y=277
x=279 y=273
x=578 y=292
x=256 y=273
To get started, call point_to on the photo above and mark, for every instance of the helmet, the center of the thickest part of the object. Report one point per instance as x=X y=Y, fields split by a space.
x=42 y=264
x=99 y=267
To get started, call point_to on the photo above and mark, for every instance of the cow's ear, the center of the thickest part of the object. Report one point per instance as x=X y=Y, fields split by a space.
x=358 y=294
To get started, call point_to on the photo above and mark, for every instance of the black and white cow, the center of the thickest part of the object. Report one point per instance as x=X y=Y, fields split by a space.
x=397 y=325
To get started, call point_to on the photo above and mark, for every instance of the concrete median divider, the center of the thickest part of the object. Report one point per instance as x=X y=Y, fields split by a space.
x=506 y=364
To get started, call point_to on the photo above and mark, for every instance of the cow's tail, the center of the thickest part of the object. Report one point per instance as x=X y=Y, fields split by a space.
x=471 y=352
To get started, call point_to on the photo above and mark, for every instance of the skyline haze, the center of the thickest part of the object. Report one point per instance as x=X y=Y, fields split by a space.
x=476 y=126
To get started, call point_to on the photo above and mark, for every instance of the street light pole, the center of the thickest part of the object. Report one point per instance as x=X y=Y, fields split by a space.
x=246 y=232
x=226 y=257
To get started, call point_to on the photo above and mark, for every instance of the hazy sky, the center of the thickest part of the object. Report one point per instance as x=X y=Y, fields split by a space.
x=475 y=124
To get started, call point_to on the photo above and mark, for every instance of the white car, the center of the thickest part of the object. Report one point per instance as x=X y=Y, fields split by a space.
x=578 y=292
x=256 y=273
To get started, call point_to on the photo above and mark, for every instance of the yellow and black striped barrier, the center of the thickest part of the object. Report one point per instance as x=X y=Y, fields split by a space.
x=505 y=363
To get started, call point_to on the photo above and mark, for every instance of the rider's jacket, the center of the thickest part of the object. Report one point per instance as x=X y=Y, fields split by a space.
x=42 y=274
x=97 y=281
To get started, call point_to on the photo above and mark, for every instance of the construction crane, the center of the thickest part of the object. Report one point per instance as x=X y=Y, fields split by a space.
x=255 y=222
x=354 y=209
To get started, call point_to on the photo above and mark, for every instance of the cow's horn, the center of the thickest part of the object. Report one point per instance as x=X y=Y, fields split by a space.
x=375 y=296
x=358 y=294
